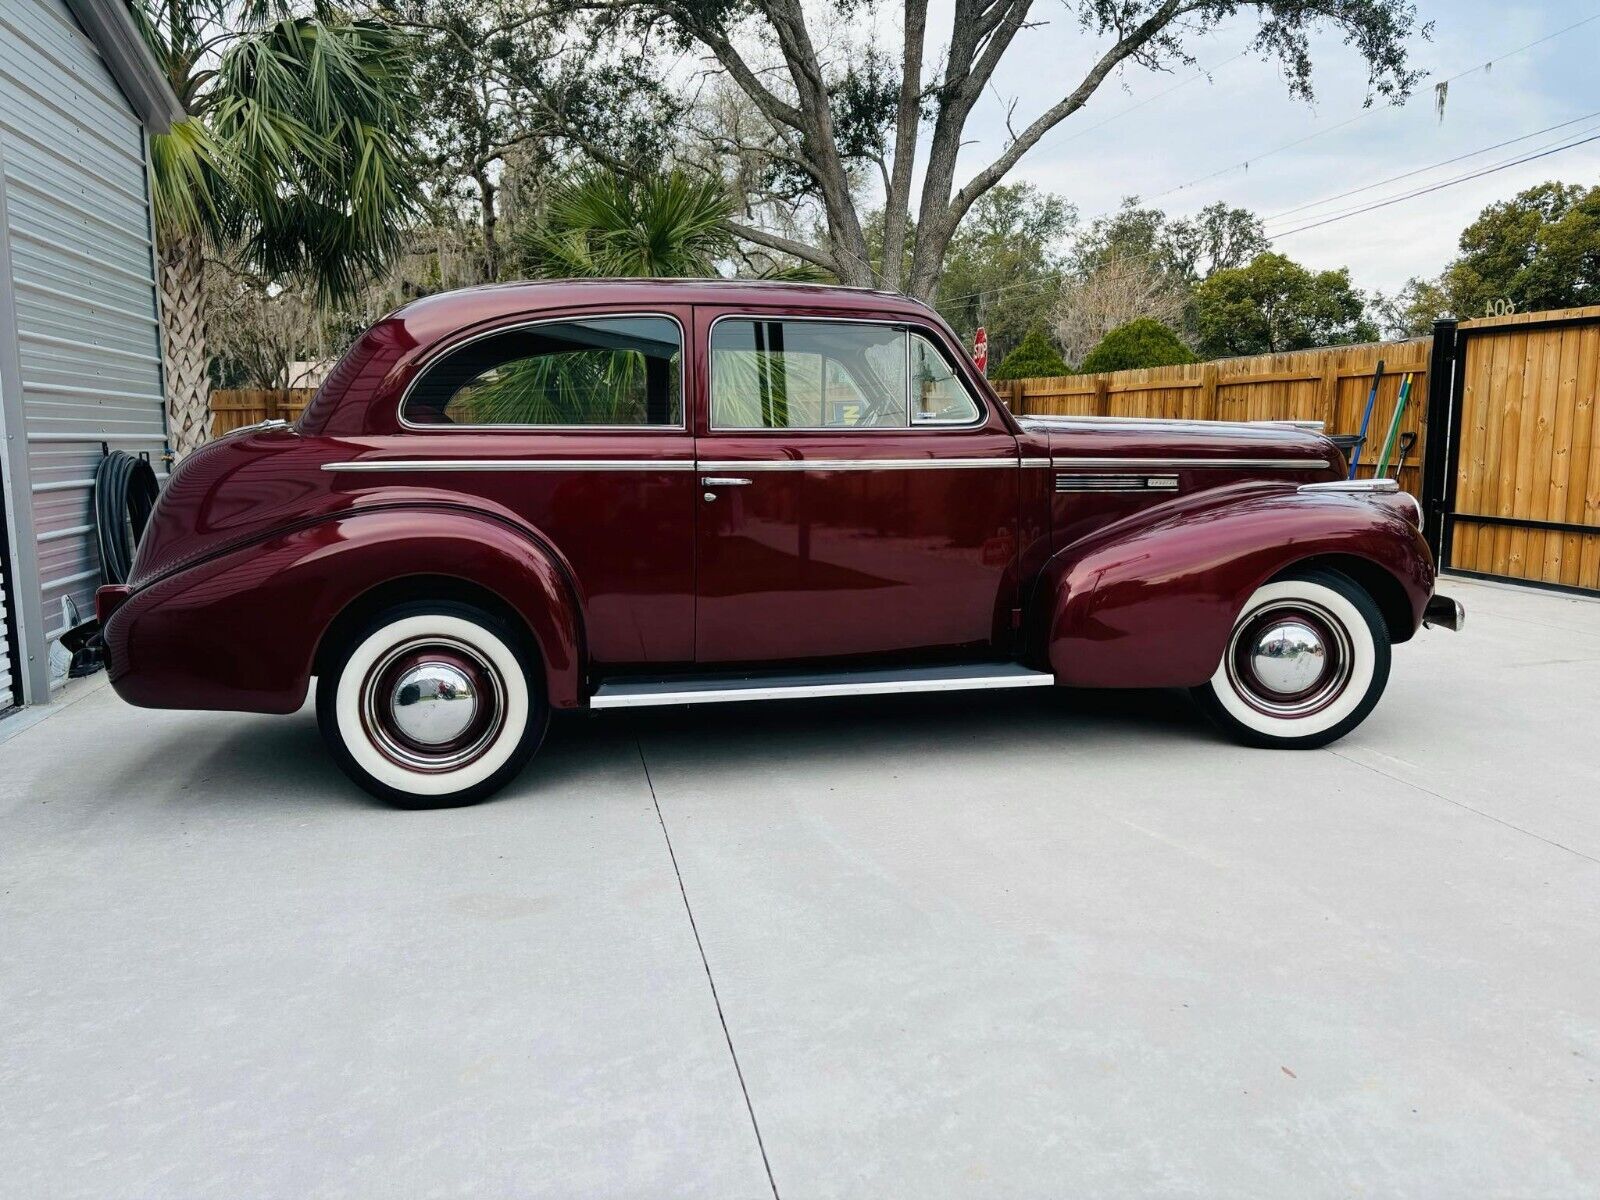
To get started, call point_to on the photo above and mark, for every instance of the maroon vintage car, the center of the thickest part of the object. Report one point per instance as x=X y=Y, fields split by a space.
x=601 y=494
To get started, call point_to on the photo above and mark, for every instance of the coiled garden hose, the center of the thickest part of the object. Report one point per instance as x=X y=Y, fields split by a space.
x=125 y=492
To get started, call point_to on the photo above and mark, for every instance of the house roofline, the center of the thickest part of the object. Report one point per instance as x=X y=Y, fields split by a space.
x=110 y=27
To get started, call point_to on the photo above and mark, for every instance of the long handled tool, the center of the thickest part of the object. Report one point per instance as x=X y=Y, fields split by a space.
x=1366 y=419
x=1394 y=425
x=1408 y=442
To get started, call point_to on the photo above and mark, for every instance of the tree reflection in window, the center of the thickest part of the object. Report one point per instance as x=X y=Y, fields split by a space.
x=595 y=371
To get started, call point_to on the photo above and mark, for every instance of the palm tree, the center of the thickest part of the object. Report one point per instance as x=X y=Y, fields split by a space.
x=604 y=224
x=295 y=157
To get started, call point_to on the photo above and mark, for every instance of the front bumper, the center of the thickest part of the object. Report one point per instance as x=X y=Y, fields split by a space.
x=1444 y=613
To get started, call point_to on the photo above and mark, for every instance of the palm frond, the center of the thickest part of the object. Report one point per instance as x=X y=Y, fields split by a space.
x=602 y=224
x=300 y=148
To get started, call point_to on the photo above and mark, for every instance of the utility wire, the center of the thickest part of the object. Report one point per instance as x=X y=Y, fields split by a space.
x=1365 y=113
x=1423 y=170
x=1594 y=137
x=1058 y=277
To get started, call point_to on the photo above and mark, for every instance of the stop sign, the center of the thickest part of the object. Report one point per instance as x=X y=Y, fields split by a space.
x=980 y=350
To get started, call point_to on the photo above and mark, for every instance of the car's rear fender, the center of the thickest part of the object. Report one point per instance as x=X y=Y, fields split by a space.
x=243 y=630
x=1151 y=600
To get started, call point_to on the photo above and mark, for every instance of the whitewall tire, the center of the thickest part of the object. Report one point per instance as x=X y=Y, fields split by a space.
x=432 y=704
x=1306 y=662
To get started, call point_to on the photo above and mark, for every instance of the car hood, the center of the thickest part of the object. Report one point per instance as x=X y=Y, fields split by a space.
x=1259 y=443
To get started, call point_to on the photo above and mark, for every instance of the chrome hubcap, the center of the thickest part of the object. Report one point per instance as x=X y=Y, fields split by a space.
x=1288 y=658
x=433 y=703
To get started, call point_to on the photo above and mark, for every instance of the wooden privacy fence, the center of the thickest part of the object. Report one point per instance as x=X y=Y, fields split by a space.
x=233 y=408
x=1328 y=385
x=1521 y=489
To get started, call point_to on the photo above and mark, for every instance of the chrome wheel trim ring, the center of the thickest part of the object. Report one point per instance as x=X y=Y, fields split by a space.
x=1265 y=692
x=397 y=740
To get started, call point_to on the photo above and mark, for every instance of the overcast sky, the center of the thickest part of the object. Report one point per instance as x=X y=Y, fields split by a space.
x=1244 y=111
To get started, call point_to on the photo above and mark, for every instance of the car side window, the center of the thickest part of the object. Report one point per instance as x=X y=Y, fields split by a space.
x=591 y=371
x=807 y=375
x=938 y=397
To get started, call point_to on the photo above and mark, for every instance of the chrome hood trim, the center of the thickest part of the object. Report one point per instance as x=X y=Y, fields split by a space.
x=1046 y=421
x=1365 y=487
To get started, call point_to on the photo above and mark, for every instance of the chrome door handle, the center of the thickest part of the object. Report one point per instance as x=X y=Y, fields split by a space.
x=722 y=481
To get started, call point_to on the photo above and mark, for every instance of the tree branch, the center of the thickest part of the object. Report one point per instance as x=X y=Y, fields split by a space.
x=775 y=109
x=773 y=241
x=1129 y=45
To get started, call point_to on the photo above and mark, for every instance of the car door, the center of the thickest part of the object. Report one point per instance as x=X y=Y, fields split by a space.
x=579 y=420
x=857 y=496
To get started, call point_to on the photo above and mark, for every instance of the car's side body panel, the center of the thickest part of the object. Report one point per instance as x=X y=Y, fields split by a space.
x=1150 y=600
x=242 y=630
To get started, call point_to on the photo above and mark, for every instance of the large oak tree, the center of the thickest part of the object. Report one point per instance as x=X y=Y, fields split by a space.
x=908 y=106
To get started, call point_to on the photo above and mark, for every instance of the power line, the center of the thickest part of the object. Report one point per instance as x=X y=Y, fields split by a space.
x=1593 y=137
x=1423 y=170
x=1365 y=113
x=1059 y=277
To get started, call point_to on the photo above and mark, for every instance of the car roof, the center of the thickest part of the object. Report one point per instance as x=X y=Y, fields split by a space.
x=496 y=299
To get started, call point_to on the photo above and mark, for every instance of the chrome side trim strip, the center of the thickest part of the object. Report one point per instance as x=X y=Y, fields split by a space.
x=1194 y=464
x=512 y=464
x=1364 y=487
x=1294 y=423
x=837 y=464
x=855 y=464
x=709 y=465
x=813 y=687
x=1036 y=462
x=1116 y=483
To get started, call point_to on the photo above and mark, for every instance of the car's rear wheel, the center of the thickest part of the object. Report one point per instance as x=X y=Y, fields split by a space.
x=1306 y=662
x=432 y=704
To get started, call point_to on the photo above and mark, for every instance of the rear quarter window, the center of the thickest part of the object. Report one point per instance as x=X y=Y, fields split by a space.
x=587 y=372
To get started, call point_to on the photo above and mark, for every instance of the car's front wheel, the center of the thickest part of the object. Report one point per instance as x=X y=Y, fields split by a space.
x=432 y=704
x=1306 y=662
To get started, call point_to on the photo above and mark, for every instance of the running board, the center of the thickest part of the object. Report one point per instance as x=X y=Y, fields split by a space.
x=722 y=689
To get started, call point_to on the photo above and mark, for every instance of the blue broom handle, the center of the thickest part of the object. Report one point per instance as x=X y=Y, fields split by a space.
x=1366 y=419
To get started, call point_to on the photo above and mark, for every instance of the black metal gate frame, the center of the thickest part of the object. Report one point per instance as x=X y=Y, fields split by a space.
x=1447 y=380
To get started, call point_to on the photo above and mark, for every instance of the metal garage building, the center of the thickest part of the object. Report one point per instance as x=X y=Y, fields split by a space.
x=80 y=356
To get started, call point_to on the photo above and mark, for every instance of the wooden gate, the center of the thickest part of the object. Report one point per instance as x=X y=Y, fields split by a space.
x=1518 y=490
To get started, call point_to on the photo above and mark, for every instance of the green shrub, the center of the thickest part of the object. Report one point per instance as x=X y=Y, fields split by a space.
x=1144 y=342
x=1035 y=357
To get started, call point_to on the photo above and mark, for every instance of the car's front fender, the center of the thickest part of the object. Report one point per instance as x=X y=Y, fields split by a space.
x=1151 y=600
x=242 y=630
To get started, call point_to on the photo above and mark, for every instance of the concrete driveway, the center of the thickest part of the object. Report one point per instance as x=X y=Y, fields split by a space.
x=1026 y=945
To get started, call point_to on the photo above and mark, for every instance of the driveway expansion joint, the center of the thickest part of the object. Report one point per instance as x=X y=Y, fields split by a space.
x=710 y=979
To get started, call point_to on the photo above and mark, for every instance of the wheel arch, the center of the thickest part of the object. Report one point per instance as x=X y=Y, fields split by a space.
x=422 y=586
x=1385 y=588
x=1150 y=601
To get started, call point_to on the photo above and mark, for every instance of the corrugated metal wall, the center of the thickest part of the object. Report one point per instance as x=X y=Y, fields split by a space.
x=81 y=280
